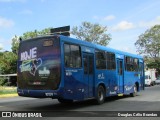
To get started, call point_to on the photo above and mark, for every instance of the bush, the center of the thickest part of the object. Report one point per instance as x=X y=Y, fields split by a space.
x=3 y=81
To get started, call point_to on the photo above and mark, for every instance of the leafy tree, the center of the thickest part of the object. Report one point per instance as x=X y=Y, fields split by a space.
x=149 y=42
x=44 y=31
x=28 y=35
x=94 y=33
x=8 y=61
x=148 y=45
x=35 y=33
x=15 y=44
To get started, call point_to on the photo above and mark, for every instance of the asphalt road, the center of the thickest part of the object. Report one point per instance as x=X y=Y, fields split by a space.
x=147 y=100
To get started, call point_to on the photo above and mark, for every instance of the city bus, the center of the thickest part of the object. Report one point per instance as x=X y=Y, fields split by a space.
x=68 y=69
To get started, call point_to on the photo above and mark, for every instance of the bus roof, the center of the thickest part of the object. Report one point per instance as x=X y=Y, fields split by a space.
x=85 y=43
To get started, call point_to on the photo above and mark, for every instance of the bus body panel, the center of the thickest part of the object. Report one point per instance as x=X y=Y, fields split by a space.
x=73 y=84
x=82 y=83
x=112 y=82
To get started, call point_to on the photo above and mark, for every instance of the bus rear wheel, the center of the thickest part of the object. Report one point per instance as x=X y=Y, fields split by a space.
x=100 y=95
x=134 y=92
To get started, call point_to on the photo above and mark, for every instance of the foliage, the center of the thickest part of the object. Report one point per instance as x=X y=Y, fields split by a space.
x=15 y=44
x=2 y=81
x=8 y=61
x=148 y=45
x=149 y=42
x=35 y=33
x=153 y=63
x=94 y=33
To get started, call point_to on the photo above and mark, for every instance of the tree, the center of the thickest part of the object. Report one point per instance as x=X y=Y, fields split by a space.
x=15 y=44
x=148 y=44
x=30 y=34
x=35 y=33
x=8 y=61
x=94 y=33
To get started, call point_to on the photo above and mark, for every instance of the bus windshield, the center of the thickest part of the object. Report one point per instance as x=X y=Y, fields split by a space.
x=39 y=63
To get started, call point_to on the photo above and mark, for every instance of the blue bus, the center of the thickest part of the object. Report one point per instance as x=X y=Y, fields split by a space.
x=68 y=69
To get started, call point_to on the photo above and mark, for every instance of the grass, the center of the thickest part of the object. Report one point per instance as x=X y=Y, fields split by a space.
x=6 y=91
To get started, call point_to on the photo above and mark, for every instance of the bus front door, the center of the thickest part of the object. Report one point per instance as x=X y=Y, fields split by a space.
x=88 y=74
x=120 y=75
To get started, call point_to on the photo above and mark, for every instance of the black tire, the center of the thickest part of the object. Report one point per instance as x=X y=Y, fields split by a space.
x=65 y=101
x=100 y=95
x=134 y=92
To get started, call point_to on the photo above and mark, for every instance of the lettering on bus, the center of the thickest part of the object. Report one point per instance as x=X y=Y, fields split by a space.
x=44 y=72
x=29 y=55
x=101 y=76
x=69 y=72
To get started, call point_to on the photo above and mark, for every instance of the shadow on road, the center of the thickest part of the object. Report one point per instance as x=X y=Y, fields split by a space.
x=56 y=106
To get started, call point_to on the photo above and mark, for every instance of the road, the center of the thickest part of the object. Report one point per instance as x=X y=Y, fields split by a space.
x=147 y=100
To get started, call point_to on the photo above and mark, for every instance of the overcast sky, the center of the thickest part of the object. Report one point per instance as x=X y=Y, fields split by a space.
x=125 y=19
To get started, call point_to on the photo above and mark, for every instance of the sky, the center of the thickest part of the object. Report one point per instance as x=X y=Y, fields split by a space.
x=125 y=19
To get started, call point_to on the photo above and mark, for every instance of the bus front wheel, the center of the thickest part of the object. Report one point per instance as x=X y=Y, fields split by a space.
x=100 y=95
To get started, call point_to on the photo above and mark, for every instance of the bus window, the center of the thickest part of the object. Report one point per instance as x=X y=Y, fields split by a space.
x=120 y=68
x=111 y=64
x=85 y=65
x=100 y=60
x=136 y=64
x=72 y=56
x=67 y=55
x=131 y=64
x=91 y=65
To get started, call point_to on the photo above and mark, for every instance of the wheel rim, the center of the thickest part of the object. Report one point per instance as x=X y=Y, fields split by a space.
x=100 y=95
x=135 y=89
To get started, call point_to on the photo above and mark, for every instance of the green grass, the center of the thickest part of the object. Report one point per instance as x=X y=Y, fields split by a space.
x=7 y=90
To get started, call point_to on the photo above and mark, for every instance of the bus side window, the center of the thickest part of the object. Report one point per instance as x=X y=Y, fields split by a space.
x=131 y=64
x=75 y=56
x=100 y=60
x=111 y=63
x=67 y=55
x=141 y=68
x=120 y=68
x=136 y=64
x=72 y=56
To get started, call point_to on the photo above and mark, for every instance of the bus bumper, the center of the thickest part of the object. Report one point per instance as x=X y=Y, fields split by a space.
x=39 y=93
